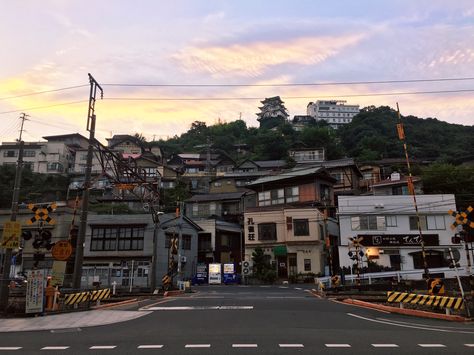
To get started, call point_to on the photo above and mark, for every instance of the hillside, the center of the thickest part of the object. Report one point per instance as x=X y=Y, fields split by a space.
x=372 y=135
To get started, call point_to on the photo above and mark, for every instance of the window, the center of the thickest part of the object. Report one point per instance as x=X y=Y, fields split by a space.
x=301 y=227
x=204 y=241
x=428 y=223
x=400 y=190
x=10 y=153
x=28 y=165
x=338 y=176
x=55 y=167
x=391 y=221
x=267 y=231
x=278 y=196
x=131 y=238
x=195 y=209
x=367 y=176
x=117 y=238
x=307 y=264
x=186 y=242
x=292 y=194
x=264 y=198
x=368 y=223
x=29 y=153
x=212 y=208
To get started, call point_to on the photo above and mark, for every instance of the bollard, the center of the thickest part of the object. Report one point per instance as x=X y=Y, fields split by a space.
x=448 y=311
x=114 y=285
x=402 y=306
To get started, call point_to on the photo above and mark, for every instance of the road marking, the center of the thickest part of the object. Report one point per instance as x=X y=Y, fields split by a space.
x=291 y=345
x=354 y=305
x=432 y=345
x=385 y=345
x=337 y=345
x=103 y=347
x=244 y=345
x=197 y=346
x=149 y=346
x=469 y=345
x=9 y=348
x=265 y=286
x=408 y=326
x=298 y=288
x=55 y=348
x=284 y=287
x=423 y=325
x=199 y=308
x=154 y=304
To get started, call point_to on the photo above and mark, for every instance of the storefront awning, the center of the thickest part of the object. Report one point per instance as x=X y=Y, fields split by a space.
x=280 y=250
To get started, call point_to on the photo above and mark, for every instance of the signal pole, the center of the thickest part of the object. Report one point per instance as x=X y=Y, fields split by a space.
x=76 y=281
x=7 y=256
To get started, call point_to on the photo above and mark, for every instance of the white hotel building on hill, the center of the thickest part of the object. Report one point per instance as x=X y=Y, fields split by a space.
x=388 y=226
x=335 y=112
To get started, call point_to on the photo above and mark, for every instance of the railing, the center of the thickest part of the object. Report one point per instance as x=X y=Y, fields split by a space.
x=400 y=275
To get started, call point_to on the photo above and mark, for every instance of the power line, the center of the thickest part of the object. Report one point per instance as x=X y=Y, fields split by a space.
x=42 y=92
x=285 y=97
x=297 y=84
x=44 y=107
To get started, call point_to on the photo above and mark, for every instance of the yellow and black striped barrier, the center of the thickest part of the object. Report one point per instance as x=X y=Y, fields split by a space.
x=79 y=297
x=425 y=300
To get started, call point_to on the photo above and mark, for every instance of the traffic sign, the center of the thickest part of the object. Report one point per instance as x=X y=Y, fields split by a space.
x=62 y=250
x=11 y=235
x=41 y=213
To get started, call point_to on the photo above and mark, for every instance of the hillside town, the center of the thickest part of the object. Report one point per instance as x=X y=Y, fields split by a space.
x=301 y=214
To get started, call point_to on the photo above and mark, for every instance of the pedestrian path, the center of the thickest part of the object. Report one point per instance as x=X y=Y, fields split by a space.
x=68 y=320
x=238 y=346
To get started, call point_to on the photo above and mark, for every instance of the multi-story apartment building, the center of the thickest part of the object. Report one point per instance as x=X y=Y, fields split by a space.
x=389 y=230
x=335 y=112
x=56 y=155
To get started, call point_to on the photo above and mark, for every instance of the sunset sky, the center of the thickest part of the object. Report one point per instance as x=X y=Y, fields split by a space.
x=53 y=44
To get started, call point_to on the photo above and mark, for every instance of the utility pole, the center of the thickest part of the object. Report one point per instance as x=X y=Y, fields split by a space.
x=180 y=240
x=411 y=189
x=7 y=256
x=87 y=182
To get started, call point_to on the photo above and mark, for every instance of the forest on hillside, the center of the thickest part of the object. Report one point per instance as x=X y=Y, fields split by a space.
x=372 y=135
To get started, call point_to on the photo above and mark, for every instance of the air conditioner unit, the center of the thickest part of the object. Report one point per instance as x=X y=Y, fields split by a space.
x=183 y=259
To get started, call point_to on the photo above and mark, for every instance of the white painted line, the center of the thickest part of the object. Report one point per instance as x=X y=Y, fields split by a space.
x=9 y=348
x=55 y=348
x=385 y=345
x=408 y=326
x=298 y=288
x=197 y=346
x=285 y=287
x=244 y=345
x=469 y=345
x=291 y=345
x=265 y=286
x=337 y=345
x=432 y=345
x=149 y=346
x=103 y=347
x=198 y=308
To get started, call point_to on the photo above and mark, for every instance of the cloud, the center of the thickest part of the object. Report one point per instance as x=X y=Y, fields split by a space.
x=252 y=59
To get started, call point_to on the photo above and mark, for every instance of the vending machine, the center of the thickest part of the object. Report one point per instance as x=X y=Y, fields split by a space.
x=215 y=276
x=229 y=274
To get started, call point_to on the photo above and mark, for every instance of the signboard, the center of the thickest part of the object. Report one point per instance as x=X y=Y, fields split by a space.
x=62 y=250
x=389 y=240
x=215 y=273
x=11 y=235
x=228 y=268
x=57 y=276
x=34 y=291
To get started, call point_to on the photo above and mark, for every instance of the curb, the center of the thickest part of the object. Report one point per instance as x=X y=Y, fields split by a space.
x=173 y=293
x=110 y=305
x=409 y=312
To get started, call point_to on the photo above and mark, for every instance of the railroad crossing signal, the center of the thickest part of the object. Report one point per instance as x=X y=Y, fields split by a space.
x=11 y=235
x=463 y=218
x=356 y=241
x=41 y=213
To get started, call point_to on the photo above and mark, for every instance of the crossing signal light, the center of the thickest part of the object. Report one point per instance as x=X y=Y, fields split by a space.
x=456 y=239
x=26 y=235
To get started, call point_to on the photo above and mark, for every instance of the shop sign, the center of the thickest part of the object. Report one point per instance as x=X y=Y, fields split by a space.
x=388 y=240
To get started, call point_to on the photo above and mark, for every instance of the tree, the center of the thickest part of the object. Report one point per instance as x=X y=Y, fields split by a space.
x=444 y=178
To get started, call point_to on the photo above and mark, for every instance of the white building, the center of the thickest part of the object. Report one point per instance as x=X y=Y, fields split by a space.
x=389 y=232
x=335 y=112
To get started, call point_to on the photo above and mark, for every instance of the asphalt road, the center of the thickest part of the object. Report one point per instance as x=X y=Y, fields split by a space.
x=253 y=320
